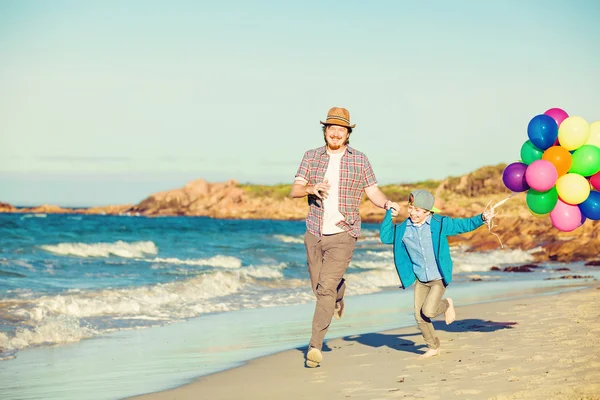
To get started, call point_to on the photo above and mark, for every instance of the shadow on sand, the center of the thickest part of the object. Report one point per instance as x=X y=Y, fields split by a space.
x=399 y=342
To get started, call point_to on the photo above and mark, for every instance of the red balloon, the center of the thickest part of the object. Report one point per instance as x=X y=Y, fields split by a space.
x=595 y=181
x=558 y=114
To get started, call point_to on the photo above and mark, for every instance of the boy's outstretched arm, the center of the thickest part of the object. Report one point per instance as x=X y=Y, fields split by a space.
x=386 y=232
x=456 y=226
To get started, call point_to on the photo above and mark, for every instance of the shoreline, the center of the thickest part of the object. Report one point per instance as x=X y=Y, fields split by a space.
x=495 y=350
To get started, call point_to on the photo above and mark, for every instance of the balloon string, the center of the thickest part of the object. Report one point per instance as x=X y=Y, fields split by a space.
x=489 y=221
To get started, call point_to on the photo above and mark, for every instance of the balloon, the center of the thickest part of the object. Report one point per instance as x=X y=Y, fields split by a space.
x=595 y=181
x=566 y=217
x=573 y=133
x=573 y=188
x=536 y=214
x=557 y=114
x=541 y=203
x=513 y=177
x=542 y=131
x=594 y=137
x=590 y=208
x=559 y=157
x=586 y=160
x=530 y=153
x=541 y=175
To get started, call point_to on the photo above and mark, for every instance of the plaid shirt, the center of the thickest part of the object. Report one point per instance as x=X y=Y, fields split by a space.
x=356 y=174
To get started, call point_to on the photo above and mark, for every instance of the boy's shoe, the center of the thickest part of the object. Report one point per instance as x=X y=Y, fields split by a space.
x=313 y=357
x=339 y=309
x=430 y=353
x=450 y=313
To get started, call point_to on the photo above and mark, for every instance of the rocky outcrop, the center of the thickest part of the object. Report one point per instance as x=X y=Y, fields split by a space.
x=109 y=210
x=7 y=208
x=219 y=200
x=196 y=198
x=54 y=209
x=46 y=209
x=484 y=181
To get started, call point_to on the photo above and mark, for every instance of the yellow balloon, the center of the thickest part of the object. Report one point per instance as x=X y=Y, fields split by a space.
x=538 y=215
x=573 y=132
x=573 y=188
x=594 y=137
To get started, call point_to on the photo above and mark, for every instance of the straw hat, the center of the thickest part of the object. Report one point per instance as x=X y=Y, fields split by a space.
x=338 y=116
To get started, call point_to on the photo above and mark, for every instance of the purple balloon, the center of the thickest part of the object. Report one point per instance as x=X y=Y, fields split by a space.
x=514 y=177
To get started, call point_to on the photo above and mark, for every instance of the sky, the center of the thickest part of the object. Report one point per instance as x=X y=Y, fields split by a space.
x=108 y=102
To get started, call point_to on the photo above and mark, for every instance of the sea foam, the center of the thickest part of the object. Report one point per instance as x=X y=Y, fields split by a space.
x=119 y=249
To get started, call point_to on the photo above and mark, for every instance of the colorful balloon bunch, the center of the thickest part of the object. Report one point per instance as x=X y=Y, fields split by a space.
x=559 y=169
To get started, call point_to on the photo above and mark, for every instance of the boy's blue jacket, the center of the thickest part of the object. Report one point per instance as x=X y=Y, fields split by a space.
x=441 y=228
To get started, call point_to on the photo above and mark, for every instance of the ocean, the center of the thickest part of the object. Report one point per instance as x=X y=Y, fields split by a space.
x=104 y=307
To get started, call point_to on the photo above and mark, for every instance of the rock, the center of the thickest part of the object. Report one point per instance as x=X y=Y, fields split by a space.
x=47 y=209
x=110 y=210
x=522 y=268
x=571 y=277
x=593 y=263
x=480 y=182
x=7 y=208
x=483 y=245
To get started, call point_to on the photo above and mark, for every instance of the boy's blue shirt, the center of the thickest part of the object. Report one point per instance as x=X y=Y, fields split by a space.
x=419 y=244
x=441 y=228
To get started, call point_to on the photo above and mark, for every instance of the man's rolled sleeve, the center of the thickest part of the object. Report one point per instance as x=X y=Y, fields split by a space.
x=303 y=170
x=369 y=178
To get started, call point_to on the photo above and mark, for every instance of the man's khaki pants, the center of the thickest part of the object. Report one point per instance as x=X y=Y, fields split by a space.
x=328 y=258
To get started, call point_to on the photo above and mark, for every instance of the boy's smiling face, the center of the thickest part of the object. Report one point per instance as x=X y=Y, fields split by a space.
x=416 y=214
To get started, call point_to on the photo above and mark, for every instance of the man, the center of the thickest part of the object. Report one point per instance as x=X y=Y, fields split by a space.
x=334 y=178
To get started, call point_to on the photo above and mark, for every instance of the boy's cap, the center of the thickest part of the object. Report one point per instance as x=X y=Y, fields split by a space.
x=423 y=199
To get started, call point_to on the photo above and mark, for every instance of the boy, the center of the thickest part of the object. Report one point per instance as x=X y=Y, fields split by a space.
x=422 y=256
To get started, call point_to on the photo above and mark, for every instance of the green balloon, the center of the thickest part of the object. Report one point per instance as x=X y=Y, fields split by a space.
x=530 y=153
x=586 y=160
x=542 y=202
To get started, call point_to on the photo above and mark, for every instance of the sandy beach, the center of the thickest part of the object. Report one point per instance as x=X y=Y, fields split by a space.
x=543 y=347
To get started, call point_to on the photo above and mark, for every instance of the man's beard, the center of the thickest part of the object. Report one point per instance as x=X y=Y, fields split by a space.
x=334 y=146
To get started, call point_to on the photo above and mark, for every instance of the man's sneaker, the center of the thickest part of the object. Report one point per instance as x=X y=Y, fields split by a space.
x=313 y=357
x=339 y=309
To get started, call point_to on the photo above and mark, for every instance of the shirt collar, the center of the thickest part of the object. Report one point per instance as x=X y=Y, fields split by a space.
x=323 y=150
x=409 y=222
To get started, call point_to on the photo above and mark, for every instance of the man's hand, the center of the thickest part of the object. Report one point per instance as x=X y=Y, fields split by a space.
x=321 y=189
x=394 y=207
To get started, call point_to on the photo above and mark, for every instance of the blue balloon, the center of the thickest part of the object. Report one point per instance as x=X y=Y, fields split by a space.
x=542 y=131
x=590 y=208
